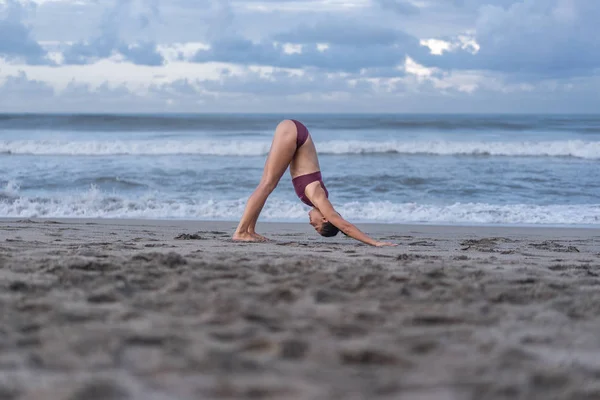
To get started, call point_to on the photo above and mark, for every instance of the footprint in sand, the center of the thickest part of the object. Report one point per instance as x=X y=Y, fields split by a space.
x=100 y=389
x=151 y=245
x=369 y=355
x=436 y=320
x=424 y=347
x=421 y=243
x=293 y=349
x=554 y=246
x=189 y=236
x=486 y=244
x=292 y=244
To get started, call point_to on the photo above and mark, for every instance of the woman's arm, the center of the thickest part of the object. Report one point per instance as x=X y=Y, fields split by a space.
x=320 y=200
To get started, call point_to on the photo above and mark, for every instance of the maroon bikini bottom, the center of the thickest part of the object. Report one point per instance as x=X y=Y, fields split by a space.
x=302 y=135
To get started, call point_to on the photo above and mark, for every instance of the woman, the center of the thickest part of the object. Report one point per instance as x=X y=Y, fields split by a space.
x=293 y=146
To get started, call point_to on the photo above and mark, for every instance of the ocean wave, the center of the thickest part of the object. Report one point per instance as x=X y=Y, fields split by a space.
x=136 y=123
x=110 y=180
x=96 y=204
x=557 y=148
x=258 y=122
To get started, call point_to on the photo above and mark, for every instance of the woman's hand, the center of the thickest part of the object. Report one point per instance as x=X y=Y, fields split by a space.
x=384 y=244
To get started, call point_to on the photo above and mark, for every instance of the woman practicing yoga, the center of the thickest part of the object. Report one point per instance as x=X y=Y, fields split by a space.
x=293 y=146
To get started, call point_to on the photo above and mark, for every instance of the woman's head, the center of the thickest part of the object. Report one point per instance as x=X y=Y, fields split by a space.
x=321 y=225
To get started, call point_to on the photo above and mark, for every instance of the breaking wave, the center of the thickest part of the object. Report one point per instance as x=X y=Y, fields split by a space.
x=559 y=148
x=96 y=204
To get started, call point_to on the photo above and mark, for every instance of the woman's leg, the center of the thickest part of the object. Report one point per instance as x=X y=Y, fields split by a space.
x=280 y=155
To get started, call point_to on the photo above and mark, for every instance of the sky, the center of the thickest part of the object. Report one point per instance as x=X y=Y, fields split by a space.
x=268 y=56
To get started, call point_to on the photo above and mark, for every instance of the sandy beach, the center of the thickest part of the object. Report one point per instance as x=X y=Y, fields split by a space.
x=142 y=309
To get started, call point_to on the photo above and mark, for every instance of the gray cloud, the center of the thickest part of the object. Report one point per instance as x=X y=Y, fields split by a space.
x=282 y=92
x=282 y=83
x=144 y=53
x=537 y=39
x=341 y=58
x=21 y=94
x=240 y=50
x=530 y=41
x=343 y=31
x=399 y=6
x=118 y=19
x=20 y=87
x=353 y=46
x=16 y=40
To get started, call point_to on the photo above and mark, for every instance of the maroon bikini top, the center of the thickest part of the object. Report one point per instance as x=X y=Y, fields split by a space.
x=300 y=183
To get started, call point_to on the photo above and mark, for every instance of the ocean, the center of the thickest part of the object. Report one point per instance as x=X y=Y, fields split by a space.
x=424 y=169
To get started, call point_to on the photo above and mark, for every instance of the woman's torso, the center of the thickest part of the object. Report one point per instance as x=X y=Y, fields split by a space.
x=305 y=160
x=304 y=168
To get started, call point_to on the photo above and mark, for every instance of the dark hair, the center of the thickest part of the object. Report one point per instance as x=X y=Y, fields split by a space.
x=328 y=229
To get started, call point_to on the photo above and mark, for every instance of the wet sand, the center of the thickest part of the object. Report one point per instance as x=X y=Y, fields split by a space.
x=123 y=309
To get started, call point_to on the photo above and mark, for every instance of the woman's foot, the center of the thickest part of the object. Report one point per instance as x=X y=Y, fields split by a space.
x=248 y=237
x=259 y=237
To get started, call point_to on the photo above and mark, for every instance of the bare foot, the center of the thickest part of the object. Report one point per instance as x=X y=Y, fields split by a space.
x=259 y=237
x=245 y=237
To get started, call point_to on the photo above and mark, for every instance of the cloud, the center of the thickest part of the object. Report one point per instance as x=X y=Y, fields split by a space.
x=462 y=42
x=342 y=58
x=284 y=91
x=344 y=32
x=21 y=87
x=16 y=40
x=19 y=93
x=533 y=39
x=144 y=53
x=282 y=83
x=311 y=55
x=328 y=45
x=399 y=6
x=125 y=16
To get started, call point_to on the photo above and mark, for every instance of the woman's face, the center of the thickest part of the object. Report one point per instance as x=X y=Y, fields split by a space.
x=316 y=219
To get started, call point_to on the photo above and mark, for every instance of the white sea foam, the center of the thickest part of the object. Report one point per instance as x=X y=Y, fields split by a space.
x=10 y=190
x=557 y=148
x=96 y=204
